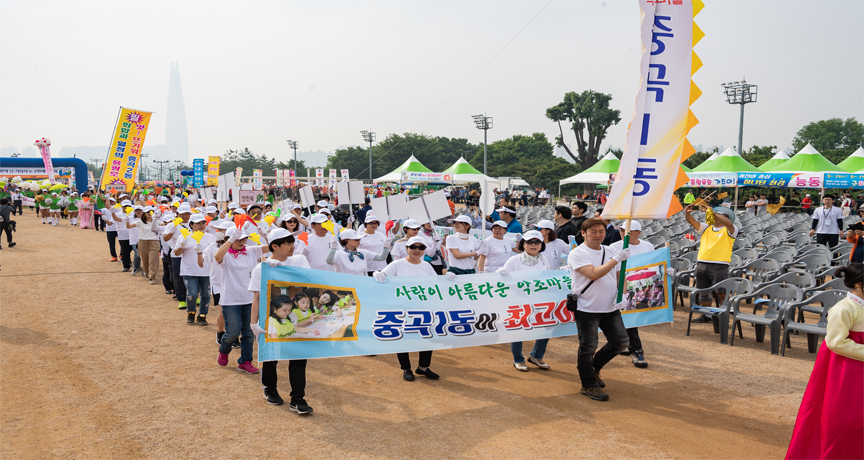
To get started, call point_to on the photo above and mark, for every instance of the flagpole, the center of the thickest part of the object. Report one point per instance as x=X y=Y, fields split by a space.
x=621 y=273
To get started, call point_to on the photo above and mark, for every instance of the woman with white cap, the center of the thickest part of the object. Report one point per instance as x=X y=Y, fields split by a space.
x=282 y=247
x=319 y=244
x=148 y=241
x=400 y=251
x=196 y=278
x=412 y=265
x=530 y=259
x=351 y=259
x=462 y=248
x=495 y=250
x=167 y=273
x=554 y=246
x=118 y=214
x=171 y=234
x=208 y=259
x=238 y=261
x=433 y=248
x=374 y=241
x=133 y=239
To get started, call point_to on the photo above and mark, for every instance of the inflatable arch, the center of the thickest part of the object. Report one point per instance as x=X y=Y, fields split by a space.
x=77 y=163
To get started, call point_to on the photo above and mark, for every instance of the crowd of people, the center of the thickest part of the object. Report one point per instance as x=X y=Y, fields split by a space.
x=212 y=255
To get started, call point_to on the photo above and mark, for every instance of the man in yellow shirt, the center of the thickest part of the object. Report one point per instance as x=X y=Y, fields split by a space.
x=689 y=198
x=715 y=251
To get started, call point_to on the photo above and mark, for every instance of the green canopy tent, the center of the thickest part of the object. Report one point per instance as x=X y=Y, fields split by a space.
x=807 y=160
x=411 y=165
x=596 y=174
x=779 y=158
x=706 y=163
x=728 y=162
x=854 y=162
x=463 y=173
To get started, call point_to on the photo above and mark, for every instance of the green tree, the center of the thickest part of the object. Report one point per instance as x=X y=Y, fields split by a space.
x=757 y=156
x=529 y=157
x=834 y=138
x=698 y=158
x=589 y=112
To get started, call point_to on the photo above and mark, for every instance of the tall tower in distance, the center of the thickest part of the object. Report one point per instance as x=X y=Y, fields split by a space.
x=176 y=138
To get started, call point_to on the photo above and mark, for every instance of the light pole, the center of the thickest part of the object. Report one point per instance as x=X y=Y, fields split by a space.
x=369 y=137
x=294 y=145
x=485 y=123
x=160 y=163
x=740 y=92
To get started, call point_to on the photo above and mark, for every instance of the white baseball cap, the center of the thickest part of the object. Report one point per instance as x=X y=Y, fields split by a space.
x=278 y=234
x=163 y=198
x=111 y=198
x=416 y=240
x=197 y=218
x=499 y=223
x=297 y=206
x=635 y=226
x=411 y=223
x=321 y=204
x=225 y=225
x=184 y=209
x=239 y=211
x=463 y=219
x=547 y=224
x=324 y=211
x=318 y=219
x=350 y=234
x=122 y=203
x=211 y=209
x=231 y=231
x=370 y=218
x=531 y=235
x=233 y=205
x=211 y=201
x=506 y=209
x=137 y=207
x=167 y=217
x=807 y=194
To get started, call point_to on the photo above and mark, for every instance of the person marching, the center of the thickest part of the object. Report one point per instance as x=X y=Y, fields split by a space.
x=319 y=244
x=351 y=259
x=196 y=278
x=531 y=259
x=374 y=241
x=170 y=234
x=462 y=249
x=412 y=228
x=715 y=252
x=495 y=250
x=412 y=265
x=280 y=324
x=72 y=208
x=637 y=246
x=554 y=247
x=148 y=242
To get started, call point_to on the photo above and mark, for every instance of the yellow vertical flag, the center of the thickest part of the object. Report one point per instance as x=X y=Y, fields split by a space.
x=124 y=154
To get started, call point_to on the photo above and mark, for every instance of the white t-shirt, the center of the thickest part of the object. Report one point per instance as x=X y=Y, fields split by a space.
x=402 y=267
x=375 y=244
x=497 y=252
x=762 y=206
x=469 y=244
x=635 y=249
x=215 y=269
x=189 y=257
x=827 y=219
x=122 y=231
x=360 y=266
x=751 y=209
x=293 y=261
x=110 y=225
x=399 y=251
x=601 y=296
x=316 y=252
x=175 y=235
x=514 y=264
x=236 y=274
x=145 y=230
x=133 y=232
x=553 y=252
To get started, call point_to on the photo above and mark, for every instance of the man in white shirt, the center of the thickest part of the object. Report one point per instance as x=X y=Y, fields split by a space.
x=170 y=234
x=762 y=205
x=750 y=205
x=637 y=246
x=17 y=200
x=119 y=215
x=195 y=277
x=593 y=271
x=110 y=225
x=827 y=222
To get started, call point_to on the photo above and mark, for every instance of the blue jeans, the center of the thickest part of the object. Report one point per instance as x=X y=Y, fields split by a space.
x=197 y=285
x=612 y=325
x=537 y=353
x=136 y=262
x=237 y=318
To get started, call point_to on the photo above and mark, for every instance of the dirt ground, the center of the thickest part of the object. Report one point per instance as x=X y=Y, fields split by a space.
x=97 y=364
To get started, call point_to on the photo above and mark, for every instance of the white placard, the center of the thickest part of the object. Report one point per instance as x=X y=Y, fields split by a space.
x=379 y=208
x=437 y=206
x=417 y=211
x=358 y=194
x=397 y=205
x=307 y=196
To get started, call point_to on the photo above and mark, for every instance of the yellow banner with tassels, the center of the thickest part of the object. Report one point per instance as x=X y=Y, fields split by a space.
x=650 y=169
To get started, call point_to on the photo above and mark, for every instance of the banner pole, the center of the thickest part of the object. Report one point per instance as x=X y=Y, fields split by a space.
x=622 y=272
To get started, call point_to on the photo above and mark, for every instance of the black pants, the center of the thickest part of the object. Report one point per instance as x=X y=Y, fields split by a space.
x=296 y=377
x=439 y=269
x=99 y=222
x=635 y=341
x=405 y=360
x=126 y=253
x=828 y=239
x=179 y=285
x=17 y=205
x=4 y=227
x=167 y=279
x=112 y=237
x=612 y=326
x=63 y=213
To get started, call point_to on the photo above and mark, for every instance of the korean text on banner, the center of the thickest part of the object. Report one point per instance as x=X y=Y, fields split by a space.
x=198 y=172
x=712 y=179
x=237 y=174
x=345 y=175
x=124 y=155
x=657 y=142
x=279 y=177
x=290 y=174
x=257 y=179
x=213 y=170
x=44 y=146
x=418 y=313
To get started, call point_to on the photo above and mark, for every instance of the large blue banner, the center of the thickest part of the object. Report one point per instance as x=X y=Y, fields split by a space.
x=359 y=316
x=198 y=172
x=833 y=180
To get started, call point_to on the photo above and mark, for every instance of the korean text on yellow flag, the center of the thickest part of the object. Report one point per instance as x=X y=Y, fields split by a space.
x=650 y=169
x=124 y=155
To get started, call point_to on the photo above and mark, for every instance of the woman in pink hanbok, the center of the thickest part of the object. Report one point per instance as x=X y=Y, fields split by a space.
x=85 y=211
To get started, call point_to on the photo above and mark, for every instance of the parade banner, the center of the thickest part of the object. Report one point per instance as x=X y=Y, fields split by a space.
x=198 y=172
x=650 y=169
x=291 y=180
x=345 y=175
x=319 y=177
x=44 y=146
x=704 y=180
x=279 y=177
x=238 y=173
x=405 y=314
x=124 y=155
x=213 y=170
x=332 y=181
x=411 y=176
x=257 y=179
x=249 y=197
x=782 y=180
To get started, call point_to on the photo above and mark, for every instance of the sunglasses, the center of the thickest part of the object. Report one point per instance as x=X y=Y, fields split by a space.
x=532 y=242
x=372 y=223
x=417 y=246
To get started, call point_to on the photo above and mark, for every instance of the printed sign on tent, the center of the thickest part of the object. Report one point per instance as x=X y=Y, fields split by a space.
x=406 y=314
x=712 y=180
